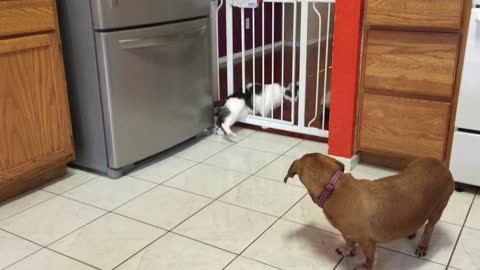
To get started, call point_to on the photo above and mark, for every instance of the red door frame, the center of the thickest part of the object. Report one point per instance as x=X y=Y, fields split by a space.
x=345 y=73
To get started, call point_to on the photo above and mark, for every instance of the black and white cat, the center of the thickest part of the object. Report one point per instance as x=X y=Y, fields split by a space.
x=241 y=104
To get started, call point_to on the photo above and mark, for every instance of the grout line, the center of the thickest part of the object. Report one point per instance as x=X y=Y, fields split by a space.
x=273 y=223
x=72 y=258
x=30 y=207
x=198 y=211
x=168 y=178
x=23 y=258
x=461 y=230
x=411 y=255
x=106 y=211
x=339 y=262
x=261 y=234
x=311 y=226
x=95 y=176
x=255 y=260
x=21 y=237
x=156 y=185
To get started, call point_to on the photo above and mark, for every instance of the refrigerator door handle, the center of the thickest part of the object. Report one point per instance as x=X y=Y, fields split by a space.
x=160 y=41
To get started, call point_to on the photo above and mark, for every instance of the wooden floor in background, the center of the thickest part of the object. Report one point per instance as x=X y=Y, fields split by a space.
x=311 y=96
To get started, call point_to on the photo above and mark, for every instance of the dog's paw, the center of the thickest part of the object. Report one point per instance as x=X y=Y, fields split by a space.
x=345 y=252
x=412 y=236
x=421 y=251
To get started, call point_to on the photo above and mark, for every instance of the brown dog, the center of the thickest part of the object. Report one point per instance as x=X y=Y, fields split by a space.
x=371 y=212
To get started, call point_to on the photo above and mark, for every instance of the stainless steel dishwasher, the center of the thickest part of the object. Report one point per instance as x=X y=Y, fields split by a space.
x=138 y=75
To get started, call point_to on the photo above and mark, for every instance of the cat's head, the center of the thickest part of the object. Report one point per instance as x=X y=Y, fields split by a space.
x=292 y=91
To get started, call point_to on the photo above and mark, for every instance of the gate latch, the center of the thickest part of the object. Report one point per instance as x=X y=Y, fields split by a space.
x=247 y=3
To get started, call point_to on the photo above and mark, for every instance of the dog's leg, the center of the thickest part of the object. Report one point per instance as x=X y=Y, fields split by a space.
x=423 y=245
x=348 y=250
x=368 y=249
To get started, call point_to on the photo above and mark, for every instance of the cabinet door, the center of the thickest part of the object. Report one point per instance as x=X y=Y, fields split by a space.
x=35 y=130
x=427 y=14
x=404 y=127
x=26 y=16
x=416 y=63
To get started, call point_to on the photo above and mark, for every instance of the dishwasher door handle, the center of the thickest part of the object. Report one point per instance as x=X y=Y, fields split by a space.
x=161 y=41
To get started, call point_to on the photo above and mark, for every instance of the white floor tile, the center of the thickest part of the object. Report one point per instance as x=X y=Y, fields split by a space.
x=108 y=241
x=108 y=193
x=457 y=208
x=264 y=195
x=163 y=207
x=225 y=226
x=73 y=179
x=268 y=142
x=51 y=220
x=49 y=260
x=207 y=180
x=201 y=150
x=163 y=170
x=307 y=147
x=22 y=202
x=467 y=252
x=366 y=171
x=308 y=213
x=291 y=246
x=389 y=260
x=242 y=263
x=242 y=133
x=174 y=252
x=473 y=220
x=442 y=243
x=241 y=159
x=13 y=248
x=277 y=170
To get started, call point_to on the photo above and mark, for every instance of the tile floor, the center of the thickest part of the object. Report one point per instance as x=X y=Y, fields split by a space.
x=213 y=204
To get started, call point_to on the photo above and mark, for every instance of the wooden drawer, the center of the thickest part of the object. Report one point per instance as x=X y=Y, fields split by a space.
x=404 y=127
x=440 y=14
x=411 y=62
x=26 y=16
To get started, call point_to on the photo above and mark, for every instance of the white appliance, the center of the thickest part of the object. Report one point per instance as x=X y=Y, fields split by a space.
x=465 y=160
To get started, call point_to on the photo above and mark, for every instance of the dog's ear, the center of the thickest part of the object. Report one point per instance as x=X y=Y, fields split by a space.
x=294 y=170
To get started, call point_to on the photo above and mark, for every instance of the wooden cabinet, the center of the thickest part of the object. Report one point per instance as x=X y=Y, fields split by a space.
x=422 y=125
x=410 y=76
x=424 y=67
x=427 y=14
x=35 y=128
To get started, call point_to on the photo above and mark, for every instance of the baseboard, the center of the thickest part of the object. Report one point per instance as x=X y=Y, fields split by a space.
x=350 y=163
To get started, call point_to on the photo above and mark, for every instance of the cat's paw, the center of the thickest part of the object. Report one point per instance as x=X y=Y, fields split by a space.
x=219 y=131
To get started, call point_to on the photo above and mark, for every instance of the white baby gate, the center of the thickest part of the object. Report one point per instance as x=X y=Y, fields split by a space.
x=287 y=57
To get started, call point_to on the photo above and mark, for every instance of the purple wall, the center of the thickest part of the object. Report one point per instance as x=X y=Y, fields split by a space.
x=237 y=41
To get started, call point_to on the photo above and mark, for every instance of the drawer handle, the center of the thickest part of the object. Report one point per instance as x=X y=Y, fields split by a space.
x=160 y=41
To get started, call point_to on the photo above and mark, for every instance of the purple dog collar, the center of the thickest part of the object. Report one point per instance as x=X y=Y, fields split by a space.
x=329 y=189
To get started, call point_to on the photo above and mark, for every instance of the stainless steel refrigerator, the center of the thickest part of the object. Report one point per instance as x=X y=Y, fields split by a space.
x=138 y=77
